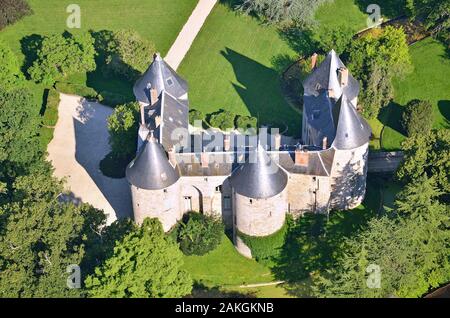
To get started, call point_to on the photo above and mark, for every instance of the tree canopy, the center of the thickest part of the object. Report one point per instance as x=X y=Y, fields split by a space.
x=145 y=264
x=10 y=74
x=417 y=117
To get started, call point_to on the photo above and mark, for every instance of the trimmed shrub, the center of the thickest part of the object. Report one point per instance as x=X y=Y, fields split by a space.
x=114 y=166
x=417 y=117
x=195 y=115
x=112 y=99
x=50 y=116
x=246 y=122
x=128 y=54
x=12 y=11
x=76 y=89
x=123 y=127
x=199 y=234
x=223 y=119
x=265 y=248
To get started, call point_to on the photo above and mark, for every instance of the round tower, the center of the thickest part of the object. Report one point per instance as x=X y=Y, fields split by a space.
x=155 y=191
x=259 y=198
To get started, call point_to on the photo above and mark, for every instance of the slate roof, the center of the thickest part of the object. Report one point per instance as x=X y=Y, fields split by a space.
x=259 y=177
x=162 y=77
x=151 y=168
x=352 y=130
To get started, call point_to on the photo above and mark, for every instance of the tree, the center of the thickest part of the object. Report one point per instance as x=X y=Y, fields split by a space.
x=417 y=117
x=246 y=122
x=427 y=153
x=61 y=55
x=195 y=115
x=336 y=38
x=436 y=14
x=223 y=119
x=128 y=54
x=40 y=237
x=374 y=60
x=123 y=127
x=10 y=74
x=417 y=231
x=13 y=10
x=299 y=12
x=200 y=234
x=144 y=264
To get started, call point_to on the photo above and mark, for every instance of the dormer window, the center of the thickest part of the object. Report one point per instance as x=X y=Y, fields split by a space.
x=169 y=81
x=163 y=176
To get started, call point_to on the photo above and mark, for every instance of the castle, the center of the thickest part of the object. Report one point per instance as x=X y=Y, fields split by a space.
x=250 y=185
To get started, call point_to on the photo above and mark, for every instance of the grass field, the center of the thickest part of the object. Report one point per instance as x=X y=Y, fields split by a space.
x=341 y=12
x=231 y=66
x=428 y=81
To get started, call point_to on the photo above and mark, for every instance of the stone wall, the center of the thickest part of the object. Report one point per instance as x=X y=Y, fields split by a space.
x=260 y=217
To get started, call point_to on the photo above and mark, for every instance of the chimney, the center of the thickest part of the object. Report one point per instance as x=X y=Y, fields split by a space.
x=204 y=159
x=301 y=157
x=343 y=76
x=324 y=143
x=142 y=115
x=172 y=158
x=226 y=142
x=313 y=61
x=153 y=96
x=277 y=141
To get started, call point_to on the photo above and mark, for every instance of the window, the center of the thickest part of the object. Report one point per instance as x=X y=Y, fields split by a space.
x=227 y=203
x=251 y=201
x=165 y=190
x=169 y=81
x=219 y=188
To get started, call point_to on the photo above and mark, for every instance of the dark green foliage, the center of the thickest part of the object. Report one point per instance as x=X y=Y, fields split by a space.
x=246 y=122
x=411 y=248
x=223 y=119
x=112 y=99
x=127 y=54
x=76 y=89
x=300 y=12
x=61 y=55
x=265 y=249
x=123 y=127
x=144 y=264
x=375 y=59
x=436 y=14
x=114 y=166
x=50 y=116
x=417 y=117
x=13 y=10
x=427 y=153
x=195 y=115
x=336 y=38
x=199 y=234
x=10 y=74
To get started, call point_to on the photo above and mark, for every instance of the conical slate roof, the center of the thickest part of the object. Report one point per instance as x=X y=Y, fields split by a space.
x=160 y=76
x=352 y=130
x=325 y=76
x=151 y=168
x=260 y=177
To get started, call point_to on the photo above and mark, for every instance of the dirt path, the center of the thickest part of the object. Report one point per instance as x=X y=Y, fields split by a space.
x=189 y=32
x=80 y=142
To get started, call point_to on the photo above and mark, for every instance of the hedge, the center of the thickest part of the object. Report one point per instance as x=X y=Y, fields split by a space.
x=265 y=248
x=112 y=99
x=75 y=89
x=50 y=116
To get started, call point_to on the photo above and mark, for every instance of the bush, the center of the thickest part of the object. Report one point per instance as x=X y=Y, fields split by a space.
x=114 y=166
x=246 y=122
x=195 y=115
x=222 y=119
x=417 y=117
x=128 y=54
x=123 y=128
x=200 y=234
x=75 y=89
x=50 y=116
x=337 y=38
x=265 y=248
x=112 y=99
x=10 y=74
x=305 y=65
x=13 y=10
x=63 y=55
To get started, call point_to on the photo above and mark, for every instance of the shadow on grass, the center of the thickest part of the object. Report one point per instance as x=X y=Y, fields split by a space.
x=201 y=291
x=389 y=8
x=313 y=241
x=391 y=116
x=300 y=41
x=30 y=45
x=444 y=108
x=260 y=89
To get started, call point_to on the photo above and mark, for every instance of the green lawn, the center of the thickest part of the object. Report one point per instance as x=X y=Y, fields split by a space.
x=341 y=12
x=429 y=81
x=231 y=66
x=157 y=20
